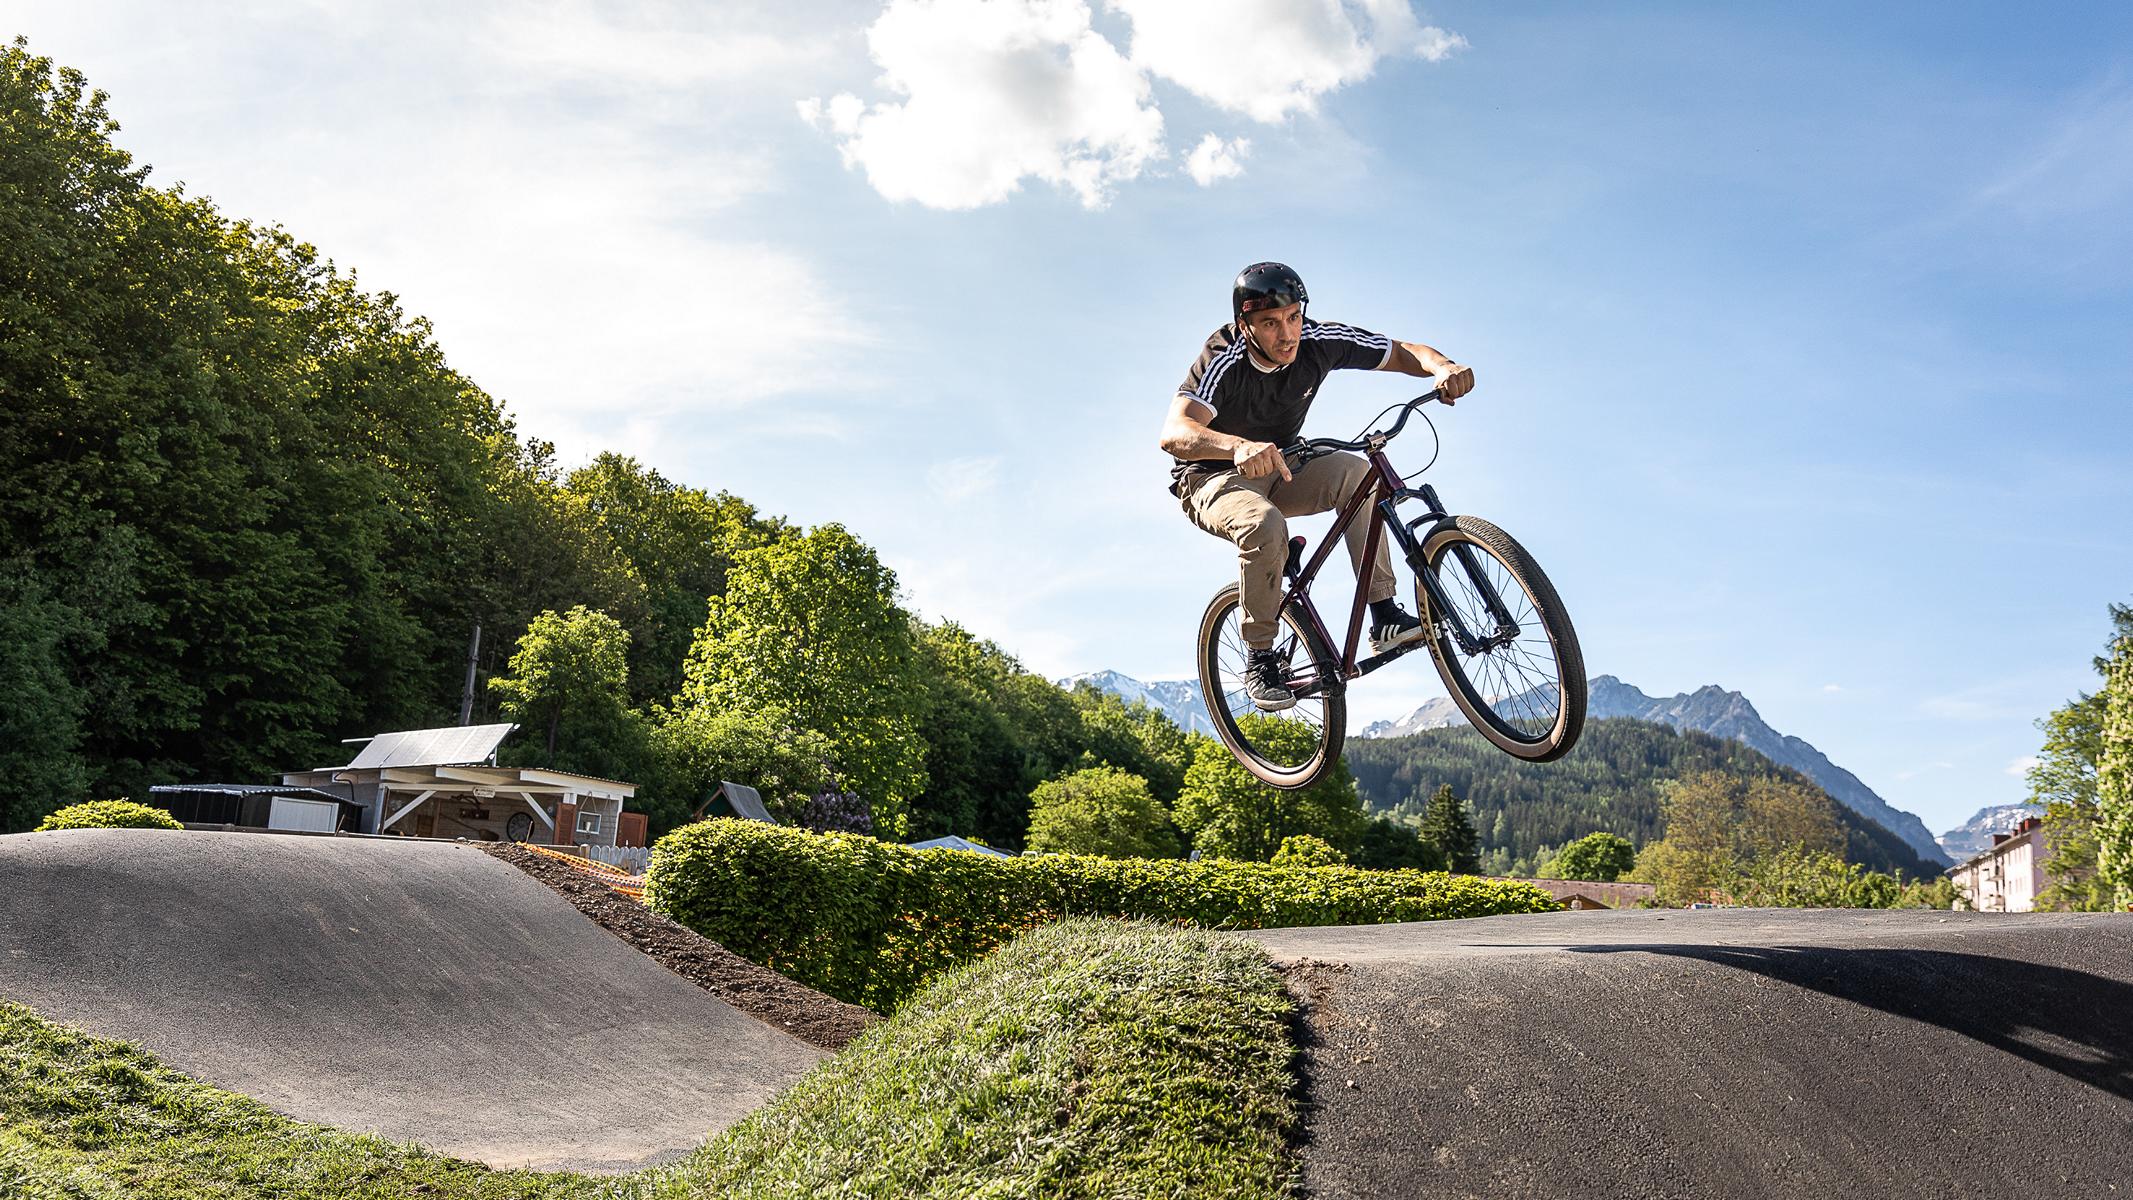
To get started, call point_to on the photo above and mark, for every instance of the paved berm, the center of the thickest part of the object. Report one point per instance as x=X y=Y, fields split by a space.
x=421 y=990
x=1735 y=1053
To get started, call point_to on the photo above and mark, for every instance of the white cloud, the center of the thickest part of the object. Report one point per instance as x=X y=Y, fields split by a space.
x=961 y=478
x=993 y=94
x=1215 y=159
x=1268 y=59
x=650 y=45
x=585 y=261
x=2021 y=767
x=989 y=93
x=1831 y=687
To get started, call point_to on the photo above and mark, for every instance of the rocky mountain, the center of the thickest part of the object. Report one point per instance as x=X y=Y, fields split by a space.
x=1975 y=834
x=1439 y=713
x=1714 y=710
x=1178 y=699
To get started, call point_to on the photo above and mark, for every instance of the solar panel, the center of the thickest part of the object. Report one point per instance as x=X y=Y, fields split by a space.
x=458 y=745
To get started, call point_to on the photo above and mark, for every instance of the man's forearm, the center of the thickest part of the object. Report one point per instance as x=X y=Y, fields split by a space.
x=1186 y=438
x=1413 y=358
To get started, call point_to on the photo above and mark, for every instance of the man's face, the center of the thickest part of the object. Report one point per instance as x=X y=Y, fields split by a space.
x=1276 y=332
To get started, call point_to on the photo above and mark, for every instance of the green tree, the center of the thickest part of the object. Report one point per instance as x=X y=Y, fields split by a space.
x=1226 y=813
x=1137 y=737
x=41 y=713
x=1304 y=850
x=696 y=748
x=2063 y=781
x=980 y=764
x=1100 y=810
x=2114 y=781
x=1388 y=845
x=809 y=626
x=1446 y=826
x=679 y=541
x=568 y=689
x=1600 y=857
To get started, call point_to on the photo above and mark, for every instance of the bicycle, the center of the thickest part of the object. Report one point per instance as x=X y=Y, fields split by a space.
x=1500 y=637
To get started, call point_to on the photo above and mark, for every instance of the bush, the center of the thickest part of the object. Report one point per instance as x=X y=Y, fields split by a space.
x=1599 y=857
x=1303 y=850
x=869 y=922
x=1099 y=810
x=110 y=814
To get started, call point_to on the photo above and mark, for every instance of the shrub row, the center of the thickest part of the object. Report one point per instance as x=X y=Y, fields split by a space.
x=869 y=922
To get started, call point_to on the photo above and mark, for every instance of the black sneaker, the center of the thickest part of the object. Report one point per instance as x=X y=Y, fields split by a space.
x=1265 y=682
x=1390 y=635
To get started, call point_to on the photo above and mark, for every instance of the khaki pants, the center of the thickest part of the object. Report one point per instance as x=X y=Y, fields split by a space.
x=1252 y=513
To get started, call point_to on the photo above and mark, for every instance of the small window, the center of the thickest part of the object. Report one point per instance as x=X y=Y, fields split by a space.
x=588 y=822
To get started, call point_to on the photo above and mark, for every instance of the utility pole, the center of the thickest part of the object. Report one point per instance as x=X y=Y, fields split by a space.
x=466 y=695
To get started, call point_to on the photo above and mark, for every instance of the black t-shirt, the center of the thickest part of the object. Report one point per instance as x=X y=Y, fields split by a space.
x=1269 y=406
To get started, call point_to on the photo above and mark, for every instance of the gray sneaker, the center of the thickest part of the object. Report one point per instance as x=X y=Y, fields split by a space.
x=1265 y=681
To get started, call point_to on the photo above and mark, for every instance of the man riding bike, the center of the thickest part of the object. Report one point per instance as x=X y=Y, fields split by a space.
x=1245 y=398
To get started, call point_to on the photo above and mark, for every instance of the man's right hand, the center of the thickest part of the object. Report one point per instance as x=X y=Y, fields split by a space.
x=1257 y=460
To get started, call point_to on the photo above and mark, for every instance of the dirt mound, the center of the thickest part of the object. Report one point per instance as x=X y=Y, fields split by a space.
x=758 y=991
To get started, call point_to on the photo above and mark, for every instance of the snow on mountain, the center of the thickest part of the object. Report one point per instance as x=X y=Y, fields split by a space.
x=1178 y=699
x=1975 y=834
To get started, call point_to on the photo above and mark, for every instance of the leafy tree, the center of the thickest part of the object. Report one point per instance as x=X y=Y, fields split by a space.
x=678 y=541
x=1226 y=813
x=697 y=747
x=1136 y=737
x=41 y=718
x=568 y=688
x=1600 y=857
x=2064 y=782
x=1304 y=850
x=1796 y=878
x=1446 y=826
x=980 y=762
x=1100 y=810
x=809 y=625
x=1388 y=845
x=1682 y=874
x=2114 y=781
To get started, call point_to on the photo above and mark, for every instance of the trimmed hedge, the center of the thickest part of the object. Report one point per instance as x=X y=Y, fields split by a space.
x=869 y=922
x=109 y=814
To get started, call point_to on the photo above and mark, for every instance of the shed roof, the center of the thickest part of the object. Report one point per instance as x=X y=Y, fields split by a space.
x=452 y=746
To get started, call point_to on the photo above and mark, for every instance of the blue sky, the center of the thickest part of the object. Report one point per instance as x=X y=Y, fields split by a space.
x=1801 y=335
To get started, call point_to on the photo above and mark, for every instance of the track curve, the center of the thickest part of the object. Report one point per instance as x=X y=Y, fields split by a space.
x=1726 y=1053
x=423 y=991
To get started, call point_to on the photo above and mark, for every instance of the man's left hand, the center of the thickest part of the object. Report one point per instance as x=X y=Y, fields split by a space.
x=1454 y=381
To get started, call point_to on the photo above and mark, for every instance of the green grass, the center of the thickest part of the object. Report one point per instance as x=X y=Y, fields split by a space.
x=1087 y=1059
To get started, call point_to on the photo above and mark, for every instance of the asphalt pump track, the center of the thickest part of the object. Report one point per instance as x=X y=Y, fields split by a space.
x=423 y=991
x=1729 y=1053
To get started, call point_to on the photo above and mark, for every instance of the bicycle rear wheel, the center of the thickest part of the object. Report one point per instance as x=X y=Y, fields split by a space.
x=1522 y=683
x=1288 y=749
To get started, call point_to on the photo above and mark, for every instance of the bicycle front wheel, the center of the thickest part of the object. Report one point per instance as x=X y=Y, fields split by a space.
x=1520 y=679
x=1289 y=749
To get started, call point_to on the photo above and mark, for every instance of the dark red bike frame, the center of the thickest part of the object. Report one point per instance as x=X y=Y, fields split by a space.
x=1383 y=489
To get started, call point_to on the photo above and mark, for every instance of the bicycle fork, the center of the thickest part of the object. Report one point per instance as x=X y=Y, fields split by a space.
x=1442 y=612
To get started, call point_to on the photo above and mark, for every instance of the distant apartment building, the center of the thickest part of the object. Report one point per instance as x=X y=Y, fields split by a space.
x=2006 y=876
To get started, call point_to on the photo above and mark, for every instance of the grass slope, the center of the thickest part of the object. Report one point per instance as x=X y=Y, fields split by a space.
x=1087 y=1059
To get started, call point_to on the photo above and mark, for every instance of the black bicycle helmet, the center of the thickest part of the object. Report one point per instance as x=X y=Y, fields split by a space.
x=1265 y=285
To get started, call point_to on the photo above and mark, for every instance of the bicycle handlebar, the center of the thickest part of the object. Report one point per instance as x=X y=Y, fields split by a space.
x=1406 y=410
